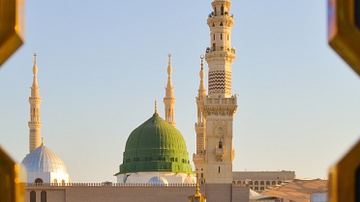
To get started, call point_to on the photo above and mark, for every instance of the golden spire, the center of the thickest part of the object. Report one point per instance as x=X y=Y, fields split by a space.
x=156 y=113
x=202 y=89
x=35 y=71
x=169 y=87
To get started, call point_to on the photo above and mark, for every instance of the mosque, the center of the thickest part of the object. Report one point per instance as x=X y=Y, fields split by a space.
x=156 y=164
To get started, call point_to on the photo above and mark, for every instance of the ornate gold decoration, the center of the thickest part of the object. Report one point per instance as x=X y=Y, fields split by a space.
x=11 y=29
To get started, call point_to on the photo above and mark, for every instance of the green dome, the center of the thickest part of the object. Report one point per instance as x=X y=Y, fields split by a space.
x=155 y=146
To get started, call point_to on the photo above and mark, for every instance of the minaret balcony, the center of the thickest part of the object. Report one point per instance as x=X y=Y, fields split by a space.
x=220 y=20
x=221 y=101
x=212 y=14
x=34 y=124
x=198 y=158
x=220 y=48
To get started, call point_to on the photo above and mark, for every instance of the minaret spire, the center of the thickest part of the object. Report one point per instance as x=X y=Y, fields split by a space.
x=200 y=126
x=169 y=99
x=202 y=89
x=34 y=100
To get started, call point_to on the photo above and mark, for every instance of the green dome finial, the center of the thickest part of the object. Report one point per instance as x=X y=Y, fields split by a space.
x=155 y=114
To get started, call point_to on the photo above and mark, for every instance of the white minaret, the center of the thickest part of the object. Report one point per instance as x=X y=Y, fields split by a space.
x=169 y=99
x=220 y=105
x=199 y=156
x=34 y=123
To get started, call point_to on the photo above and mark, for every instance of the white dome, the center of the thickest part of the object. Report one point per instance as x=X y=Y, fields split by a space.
x=43 y=160
x=158 y=181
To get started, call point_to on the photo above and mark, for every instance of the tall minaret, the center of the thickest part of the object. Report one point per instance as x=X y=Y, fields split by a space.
x=199 y=156
x=220 y=105
x=169 y=99
x=34 y=100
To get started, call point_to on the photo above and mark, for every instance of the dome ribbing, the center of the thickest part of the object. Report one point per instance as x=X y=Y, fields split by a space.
x=155 y=146
x=43 y=160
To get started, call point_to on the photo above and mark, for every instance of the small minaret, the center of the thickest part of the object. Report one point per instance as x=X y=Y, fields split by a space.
x=34 y=123
x=169 y=99
x=199 y=156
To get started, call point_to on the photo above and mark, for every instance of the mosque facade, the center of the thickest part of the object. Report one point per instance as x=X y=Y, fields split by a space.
x=156 y=164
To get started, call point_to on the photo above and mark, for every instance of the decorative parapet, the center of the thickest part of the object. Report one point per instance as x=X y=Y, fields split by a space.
x=220 y=106
x=106 y=184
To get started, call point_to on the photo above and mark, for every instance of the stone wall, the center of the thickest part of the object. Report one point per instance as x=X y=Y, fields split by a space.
x=137 y=193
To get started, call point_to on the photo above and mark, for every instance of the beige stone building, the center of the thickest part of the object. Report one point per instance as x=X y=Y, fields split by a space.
x=260 y=181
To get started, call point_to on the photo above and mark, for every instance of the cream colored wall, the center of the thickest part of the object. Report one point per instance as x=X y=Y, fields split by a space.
x=217 y=193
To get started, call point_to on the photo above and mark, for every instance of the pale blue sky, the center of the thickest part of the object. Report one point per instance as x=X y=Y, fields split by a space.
x=103 y=63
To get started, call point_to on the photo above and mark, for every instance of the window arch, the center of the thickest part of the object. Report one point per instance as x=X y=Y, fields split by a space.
x=267 y=182
x=43 y=196
x=55 y=181
x=279 y=182
x=32 y=196
x=38 y=181
x=262 y=183
x=250 y=183
x=273 y=183
x=256 y=183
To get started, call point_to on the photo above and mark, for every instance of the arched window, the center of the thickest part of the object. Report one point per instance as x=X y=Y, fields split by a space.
x=239 y=182
x=262 y=183
x=273 y=183
x=256 y=183
x=222 y=9
x=250 y=183
x=55 y=181
x=43 y=196
x=220 y=144
x=267 y=182
x=32 y=196
x=279 y=182
x=63 y=182
x=38 y=181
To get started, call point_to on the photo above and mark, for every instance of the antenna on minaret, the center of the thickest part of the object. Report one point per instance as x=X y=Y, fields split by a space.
x=34 y=100
x=169 y=99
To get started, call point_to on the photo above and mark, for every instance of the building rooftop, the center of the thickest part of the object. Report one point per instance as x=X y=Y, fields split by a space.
x=298 y=190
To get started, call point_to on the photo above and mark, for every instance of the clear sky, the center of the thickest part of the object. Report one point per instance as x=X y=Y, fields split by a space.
x=103 y=63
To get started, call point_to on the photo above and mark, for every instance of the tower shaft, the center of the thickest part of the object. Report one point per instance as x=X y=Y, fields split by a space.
x=34 y=123
x=220 y=105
